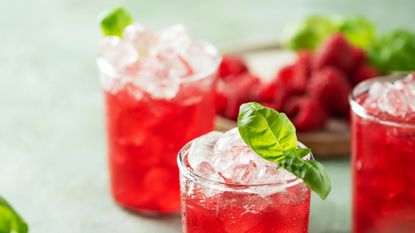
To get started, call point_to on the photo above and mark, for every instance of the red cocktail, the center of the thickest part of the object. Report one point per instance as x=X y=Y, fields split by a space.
x=383 y=159
x=226 y=188
x=154 y=105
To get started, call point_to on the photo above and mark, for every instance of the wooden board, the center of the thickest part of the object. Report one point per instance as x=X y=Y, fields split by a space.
x=332 y=141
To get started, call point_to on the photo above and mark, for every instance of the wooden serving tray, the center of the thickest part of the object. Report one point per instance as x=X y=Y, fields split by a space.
x=332 y=141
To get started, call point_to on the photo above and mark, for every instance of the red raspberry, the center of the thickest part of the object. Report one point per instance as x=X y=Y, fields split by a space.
x=330 y=87
x=235 y=91
x=231 y=65
x=306 y=112
x=280 y=89
x=363 y=72
x=269 y=91
x=221 y=101
x=270 y=105
x=359 y=55
x=336 y=52
x=301 y=72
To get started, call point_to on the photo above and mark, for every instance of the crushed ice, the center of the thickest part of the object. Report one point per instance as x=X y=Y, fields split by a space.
x=155 y=62
x=224 y=157
x=396 y=99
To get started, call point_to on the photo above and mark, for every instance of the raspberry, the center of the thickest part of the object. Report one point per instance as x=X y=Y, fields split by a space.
x=221 y=101
x=235 y=91
x=231 y=65
x=336 y=52
x=268 y=91
x=363 y=72
x=306 y=112
x=359 y=55
x=270 y=105
x=330 y=87
x=301 y=72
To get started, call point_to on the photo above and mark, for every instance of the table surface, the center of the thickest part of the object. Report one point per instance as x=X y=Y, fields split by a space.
x=52 y=141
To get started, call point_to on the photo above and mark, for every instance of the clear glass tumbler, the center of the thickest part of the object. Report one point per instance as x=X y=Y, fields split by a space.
x=383 y=161
x=210 y=206
x=145 y=133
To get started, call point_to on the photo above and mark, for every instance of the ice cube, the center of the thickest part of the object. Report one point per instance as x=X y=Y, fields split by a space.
x=229 y=140
x=164 y=89
x=174 y=38
x=393 y=102
x=154 y=63
x=141 y=37
x=283 y=174
x=238 y=164
x=199 y=56
x=205 y=169
x=244 y=173
x=409 y=91
x=174 y=65
x=377 y=88
x=226 y=158
x=152 y=77
x=161 y=76
x=118 y=53
x=395 y=99
x=201 y=149
x=295 y=195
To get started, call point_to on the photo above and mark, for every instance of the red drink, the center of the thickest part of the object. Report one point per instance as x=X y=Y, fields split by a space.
x=238 y=212
x=159 y=95
x=211 y=206
x=144 y=138
x=383 y=159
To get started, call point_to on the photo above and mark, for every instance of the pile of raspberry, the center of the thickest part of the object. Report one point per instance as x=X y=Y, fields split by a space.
x=310 y=91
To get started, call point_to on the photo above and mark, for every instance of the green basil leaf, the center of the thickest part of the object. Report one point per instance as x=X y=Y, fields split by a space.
x=358 y=31
x=310 y=33
x=10 y=220
x=310 y=171
x=114 y=22
x=266 y=131
x=393 y=51
x=298 y=152
x=314 y=30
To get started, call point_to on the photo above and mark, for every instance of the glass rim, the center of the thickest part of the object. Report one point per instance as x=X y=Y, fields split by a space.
x=190 y=174
x=108 y=69
x=363 y=87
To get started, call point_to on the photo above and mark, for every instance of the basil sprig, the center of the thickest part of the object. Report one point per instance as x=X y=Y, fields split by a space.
x=272 y=135
x=10 y=220
x=113 y=22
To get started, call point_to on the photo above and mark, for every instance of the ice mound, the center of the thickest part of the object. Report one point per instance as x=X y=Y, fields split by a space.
x=392 y=100
x=226 y=158
x=156 y=62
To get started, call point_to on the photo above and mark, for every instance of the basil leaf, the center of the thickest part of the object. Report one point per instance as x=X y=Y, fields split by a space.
x=311 y=33
x=266 y=131
x=10 y=220
x=393 y=51
x=298 y=152
x=272 y=135
x=114 y=22
x=310 y=171
x=358 y=31
x=314 y=30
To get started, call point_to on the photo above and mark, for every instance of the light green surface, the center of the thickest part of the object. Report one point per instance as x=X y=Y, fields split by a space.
x=52 y=145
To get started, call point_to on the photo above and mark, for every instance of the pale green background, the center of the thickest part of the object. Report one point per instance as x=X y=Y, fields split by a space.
x=52 y=145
